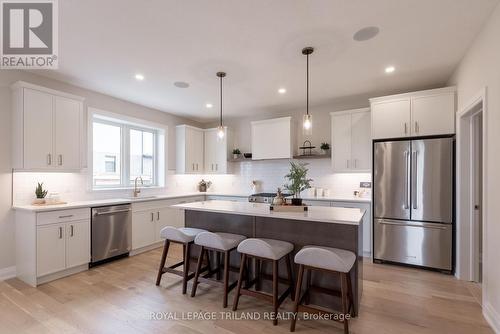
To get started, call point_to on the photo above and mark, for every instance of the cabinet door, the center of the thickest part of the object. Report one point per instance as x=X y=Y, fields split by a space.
x=210 y=151
x=143 y=228
x=38 y=130
x=341 y=142
x=50 y=249
x=361 y=141
x=272 y=139
x=77 y=243
x=221 y=156
x=391 y=119
x=68 y=122
x=167 y=217
x=433 y=115
x=194 y=151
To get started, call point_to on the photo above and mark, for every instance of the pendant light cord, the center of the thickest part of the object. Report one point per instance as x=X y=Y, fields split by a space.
x=307 y=85
x=221 y=101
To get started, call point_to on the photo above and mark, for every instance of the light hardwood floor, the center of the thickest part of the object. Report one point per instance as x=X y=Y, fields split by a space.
x=119 y=298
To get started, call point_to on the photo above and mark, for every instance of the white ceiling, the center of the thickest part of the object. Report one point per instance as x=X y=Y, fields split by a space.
x=103 y=44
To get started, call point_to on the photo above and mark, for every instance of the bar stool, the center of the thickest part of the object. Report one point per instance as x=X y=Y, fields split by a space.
x=221 y=243
x=265 y=250
x=184 y=236
x=327 y=259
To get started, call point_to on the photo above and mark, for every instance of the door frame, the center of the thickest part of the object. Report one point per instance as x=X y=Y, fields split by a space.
x=466 y=239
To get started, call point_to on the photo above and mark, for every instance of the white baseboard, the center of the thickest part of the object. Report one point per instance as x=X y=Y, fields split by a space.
x=492 y=317
x=7 y=273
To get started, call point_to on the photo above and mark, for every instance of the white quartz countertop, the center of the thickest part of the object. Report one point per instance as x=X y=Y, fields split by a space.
x=324 y=214
x=339 y=199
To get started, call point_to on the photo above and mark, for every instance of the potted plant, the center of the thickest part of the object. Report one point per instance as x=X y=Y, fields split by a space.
x=40 y=194
x=236 y=153
x=325 y=148
x=204 y=185
x=298 y=181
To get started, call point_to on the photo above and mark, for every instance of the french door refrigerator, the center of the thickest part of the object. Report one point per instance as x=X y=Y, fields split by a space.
x=413 y=192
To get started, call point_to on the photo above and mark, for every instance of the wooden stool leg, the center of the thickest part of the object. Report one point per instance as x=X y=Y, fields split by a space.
x=187 y=255
x=343 y=287
x=290 y=275
x=297 y=298
x=351 y=296
x=217 y=265
x=275 y=292
x=197 y=273
x=258 y=269
x=162 y=262
x=240 y=281
x=226 y=278
x=307 y=297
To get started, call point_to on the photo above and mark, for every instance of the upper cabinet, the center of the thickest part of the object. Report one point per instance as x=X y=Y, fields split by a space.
x=351 y=140
x=424 y=113
x=272 y=139
x=47 y=129
x=215 y=152
x=189 y=149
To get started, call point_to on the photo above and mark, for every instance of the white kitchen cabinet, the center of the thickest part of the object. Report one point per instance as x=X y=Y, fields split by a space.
x=77 y=243
x=272 y=139
x=51 y=244
x=143 y=228
x=189 y=150
x=47 y=128
x=215 y=152
x=424 y=113
x=351 y=140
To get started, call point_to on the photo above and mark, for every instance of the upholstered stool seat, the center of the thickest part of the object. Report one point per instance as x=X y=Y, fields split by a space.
x=179 y=235
x=265 y=248
x=220 y=241
x=334 y=260
x=328 y=258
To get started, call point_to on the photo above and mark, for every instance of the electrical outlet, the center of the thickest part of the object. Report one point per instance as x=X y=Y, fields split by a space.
x=365 y=184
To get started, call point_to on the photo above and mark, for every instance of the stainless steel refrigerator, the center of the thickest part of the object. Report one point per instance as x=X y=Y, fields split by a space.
x=413 y=192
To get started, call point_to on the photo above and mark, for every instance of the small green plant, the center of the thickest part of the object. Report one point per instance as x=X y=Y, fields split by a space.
x=298 y=178
x=325 y=146
x=236 y=151
x=39 y=192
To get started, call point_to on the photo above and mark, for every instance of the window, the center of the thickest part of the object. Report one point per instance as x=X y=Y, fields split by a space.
x=123 y=151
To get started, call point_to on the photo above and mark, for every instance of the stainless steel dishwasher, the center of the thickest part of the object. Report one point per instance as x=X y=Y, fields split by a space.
x=111 y=232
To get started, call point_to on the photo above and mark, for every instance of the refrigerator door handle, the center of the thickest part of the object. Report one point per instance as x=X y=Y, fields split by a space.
x=414 y=224
x=407 y=188
x=414 y=178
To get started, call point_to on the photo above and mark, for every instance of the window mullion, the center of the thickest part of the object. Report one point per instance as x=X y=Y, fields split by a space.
x=126 y=157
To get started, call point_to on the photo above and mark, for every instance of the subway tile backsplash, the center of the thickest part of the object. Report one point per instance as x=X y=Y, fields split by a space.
x=269 y=175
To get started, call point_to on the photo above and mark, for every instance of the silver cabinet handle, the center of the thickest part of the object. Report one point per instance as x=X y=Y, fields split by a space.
x=414 y=180
x=60 y=233
x=158 y=215
x=67 y=216
x=347 y=163
x=355 y=163
x=49 y=159
x=216 y=167
x=407 y=176
x=406 y=128
x=152 y=216
x=72 y=231
x=60 y=159
x=416 y=127
x=212 y=167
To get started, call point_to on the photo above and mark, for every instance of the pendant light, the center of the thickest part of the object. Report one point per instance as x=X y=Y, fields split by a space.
x=220 y=129
x=307 y=119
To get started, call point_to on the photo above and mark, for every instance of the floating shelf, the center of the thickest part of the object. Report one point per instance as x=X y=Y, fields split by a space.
x=312 y=156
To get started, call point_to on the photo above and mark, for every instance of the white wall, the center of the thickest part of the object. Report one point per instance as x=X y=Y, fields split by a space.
x=93 y=99
x=481 y=68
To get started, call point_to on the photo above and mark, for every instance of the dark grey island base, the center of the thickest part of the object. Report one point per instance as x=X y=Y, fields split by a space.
x=298 y=232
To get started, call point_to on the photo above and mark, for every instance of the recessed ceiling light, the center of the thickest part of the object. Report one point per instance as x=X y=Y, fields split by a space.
x=139 y=77
x=209 y=105
x=181 y=84
x=365 y=34
x=389 y=69
x=282 y=90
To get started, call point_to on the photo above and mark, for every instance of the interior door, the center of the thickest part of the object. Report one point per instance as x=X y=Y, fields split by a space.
x=67 y=139
x=432 y=180
x=38 y=130
x=391 y=180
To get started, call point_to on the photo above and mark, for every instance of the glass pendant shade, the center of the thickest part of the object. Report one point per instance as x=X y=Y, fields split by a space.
x=307 y=125
x=221 y=133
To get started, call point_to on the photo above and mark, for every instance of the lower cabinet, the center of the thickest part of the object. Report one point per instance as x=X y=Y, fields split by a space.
x=62 y=246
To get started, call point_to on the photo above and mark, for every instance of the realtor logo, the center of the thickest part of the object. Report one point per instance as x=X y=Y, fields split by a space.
x=29 y=34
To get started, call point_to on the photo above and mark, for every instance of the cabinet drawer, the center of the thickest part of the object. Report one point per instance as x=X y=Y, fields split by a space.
x=54 y=217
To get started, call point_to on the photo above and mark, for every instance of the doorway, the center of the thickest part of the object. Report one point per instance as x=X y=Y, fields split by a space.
x=471 y=202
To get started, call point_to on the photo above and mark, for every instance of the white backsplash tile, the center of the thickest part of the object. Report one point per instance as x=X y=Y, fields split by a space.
x=268 y=174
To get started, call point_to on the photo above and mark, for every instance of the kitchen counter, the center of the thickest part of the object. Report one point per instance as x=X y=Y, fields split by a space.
x=349 y=216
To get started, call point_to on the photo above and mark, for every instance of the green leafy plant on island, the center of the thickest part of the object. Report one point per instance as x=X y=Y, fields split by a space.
x=40 y=192
x=297 y=178
x=325 y=146
x=236 y=151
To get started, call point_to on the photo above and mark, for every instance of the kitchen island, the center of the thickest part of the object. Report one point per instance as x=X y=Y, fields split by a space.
x=319 y=226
